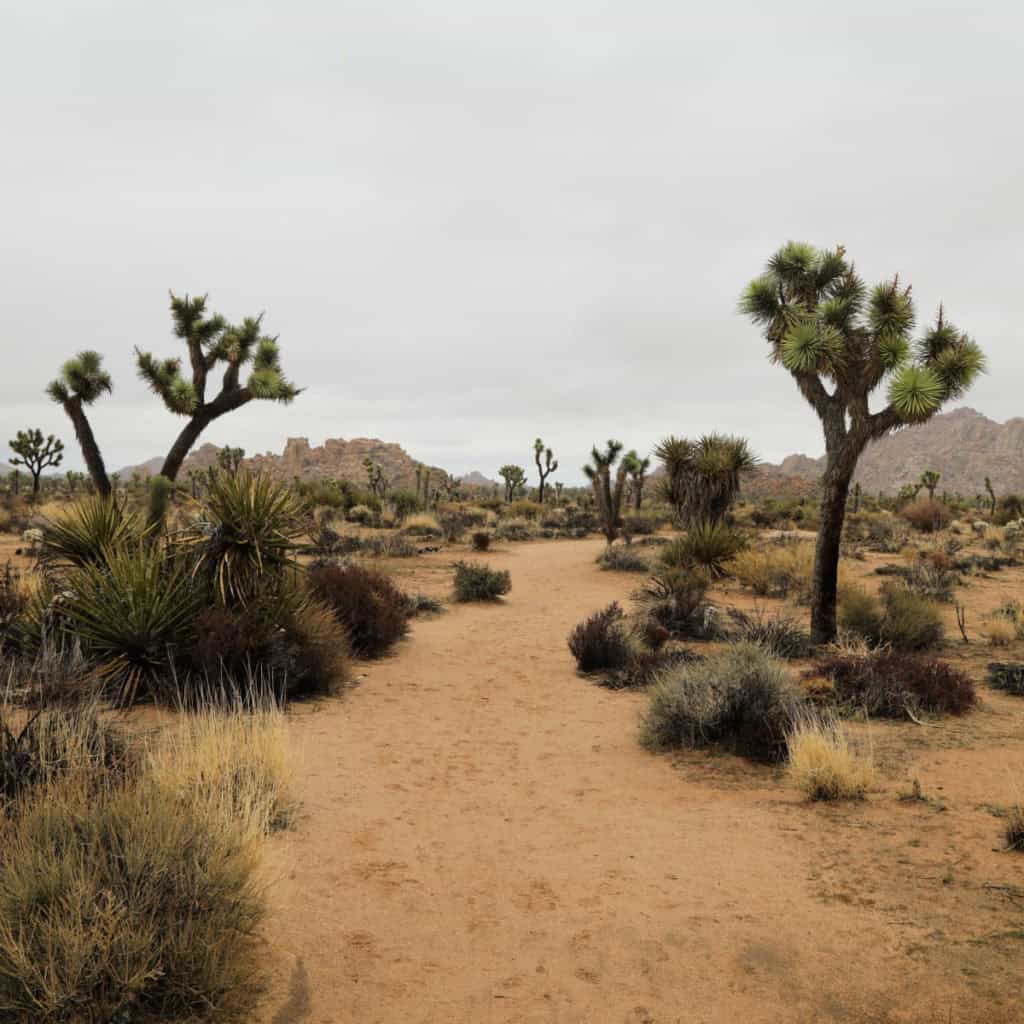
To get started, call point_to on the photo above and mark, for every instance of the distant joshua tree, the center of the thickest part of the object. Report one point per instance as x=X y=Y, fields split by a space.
x=608 y=494
x=82 y=380
x=36 y=453
x=990 y=491
x=929 y=481
x=545 y=469
x=637 y=470
x=514 y=477
x=703 y=477
x=830 y=332
x=375 y=477
x=856 y=499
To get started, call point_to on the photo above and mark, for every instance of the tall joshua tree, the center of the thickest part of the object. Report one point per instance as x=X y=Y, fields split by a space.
x=840 y=343
x=545 y=468
x=637 y=470
x=82 y=380
x=990 y=491
x=36 y=453
x=210 y=342
x=608 y=494
x=514 y=477
x=929 y=481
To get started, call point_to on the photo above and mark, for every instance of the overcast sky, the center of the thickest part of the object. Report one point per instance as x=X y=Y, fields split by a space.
x=471 y=223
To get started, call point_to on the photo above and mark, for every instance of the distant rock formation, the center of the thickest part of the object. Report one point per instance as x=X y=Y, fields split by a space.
x=963 y=445
x=477 y=479
x=335 y=459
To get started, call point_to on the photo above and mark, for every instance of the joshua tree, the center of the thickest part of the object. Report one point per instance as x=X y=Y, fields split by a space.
x=607 y=494
x=375 y=477
x=229 y=459
x=82 y=380
x=211 y=341
x=514 y=477
x=929 y=481
x=703 y=477
x=36 y=453
x=856 y=498
x=558 y=491
x=828 y=331
x=419 y=482
x=990 y=491
x=545 y=469
x=637 y=470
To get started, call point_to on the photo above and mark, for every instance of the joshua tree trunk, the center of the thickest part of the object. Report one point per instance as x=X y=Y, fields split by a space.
x=90 y=449
x=198 y=422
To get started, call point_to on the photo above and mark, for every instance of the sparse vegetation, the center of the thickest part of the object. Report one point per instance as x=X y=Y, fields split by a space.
x=477 y=582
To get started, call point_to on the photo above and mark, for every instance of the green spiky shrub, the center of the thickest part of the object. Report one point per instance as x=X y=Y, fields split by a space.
x=90 y=528
x=706 y=545
x=252 y=523
x=134 y=614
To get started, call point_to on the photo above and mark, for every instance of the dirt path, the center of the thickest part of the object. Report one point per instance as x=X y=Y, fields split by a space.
x=483 y=840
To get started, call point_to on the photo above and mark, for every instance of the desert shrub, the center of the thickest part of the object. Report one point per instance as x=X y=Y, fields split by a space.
x=137 y=898
x=1001 y=632
x=860 y=613
x=477 y=582
x=133 y=615
x=1014 y=831
x=424 y=604
x=387 y=545
x=13 y=601
x=929 y=577
x=422 y=524
x=1008 y=676
x=38 y=748
x=822 y=763
x=778 y=634
x=250 y=525
x=453 y=525
x=404 y=503
x=910 y=622
x=481 y=540
x=602 y=641
x=774 y=570
x=364 y=515
x=86 y=531
x=514 y=529
x=891 y=684
x=927 y=515
x=636 y=524
x=524 y=509
x=741 y=699
x=553 y=518
x=676 y=600
x=622 y=559
x=706 y=545
x=372 y=609
x=644 y=667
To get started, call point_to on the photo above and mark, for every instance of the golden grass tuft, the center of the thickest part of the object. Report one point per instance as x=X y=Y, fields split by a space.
x=421 y=522
x=133 y=895
x=824 y=765
x=1001 y=632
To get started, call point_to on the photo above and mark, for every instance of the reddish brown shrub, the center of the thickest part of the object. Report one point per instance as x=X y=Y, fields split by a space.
x=927 y=515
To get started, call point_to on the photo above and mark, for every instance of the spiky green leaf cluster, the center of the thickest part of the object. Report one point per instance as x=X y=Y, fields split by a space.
x=82 y=377
x=841 y=342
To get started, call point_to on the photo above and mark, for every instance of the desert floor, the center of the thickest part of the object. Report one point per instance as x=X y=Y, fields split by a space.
x=481 y=838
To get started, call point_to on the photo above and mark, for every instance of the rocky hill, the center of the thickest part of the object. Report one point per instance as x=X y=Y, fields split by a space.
x=336 y=458
x=963 y=445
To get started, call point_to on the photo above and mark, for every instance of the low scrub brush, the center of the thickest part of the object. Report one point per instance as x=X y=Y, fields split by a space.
x=476 y=582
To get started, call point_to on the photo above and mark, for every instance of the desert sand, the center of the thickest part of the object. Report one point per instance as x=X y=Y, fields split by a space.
x=482 y=839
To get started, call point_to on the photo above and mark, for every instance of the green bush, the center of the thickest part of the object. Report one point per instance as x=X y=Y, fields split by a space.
x=706 y=545
x=477 y=582
x=741 y=699
x=860 y=613
x=910 y=622
x=622 y=559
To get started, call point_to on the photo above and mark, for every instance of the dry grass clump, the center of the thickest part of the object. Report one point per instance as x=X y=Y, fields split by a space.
x=423 y=523
x=776 y=570
x=1001 y=632
x=518 y=528
x=823 y=764
x=1015 y=828
x=132 y=895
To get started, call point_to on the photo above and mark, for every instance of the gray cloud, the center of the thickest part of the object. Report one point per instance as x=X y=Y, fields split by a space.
x=472 y=225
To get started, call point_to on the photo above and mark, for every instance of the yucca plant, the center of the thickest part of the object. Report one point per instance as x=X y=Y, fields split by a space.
x=707 y=545
x=702 y=478
x=91 y=528
x=248 y=538
x=133 y=612
x=840 y=343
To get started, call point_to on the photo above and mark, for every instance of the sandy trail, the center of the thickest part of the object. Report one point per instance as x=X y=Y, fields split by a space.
x=482 y=839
